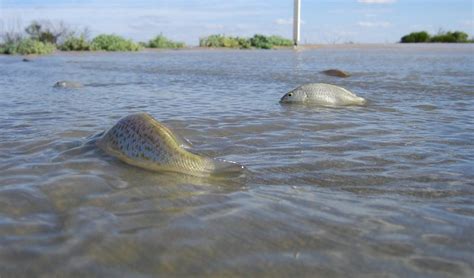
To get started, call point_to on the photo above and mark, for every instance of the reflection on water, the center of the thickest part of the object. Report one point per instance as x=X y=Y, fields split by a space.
x=380 y=189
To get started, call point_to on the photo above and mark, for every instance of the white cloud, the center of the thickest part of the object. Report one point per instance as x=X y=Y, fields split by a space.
x=427 y=27
x=371 y=24
x=282 y=21
x=214 y=26
x=288 y=21
x=376 y=1
x=468 y=23
x=370 y=15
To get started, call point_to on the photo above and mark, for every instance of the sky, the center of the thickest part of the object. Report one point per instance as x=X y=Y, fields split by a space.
x=323 y=21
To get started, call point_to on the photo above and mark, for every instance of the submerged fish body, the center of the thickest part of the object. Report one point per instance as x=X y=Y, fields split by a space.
x=322 y=94
x=67 y=84
x=142 y=141
x=336 y=73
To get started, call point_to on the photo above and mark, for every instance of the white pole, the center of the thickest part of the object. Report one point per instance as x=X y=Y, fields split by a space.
x=296 y=22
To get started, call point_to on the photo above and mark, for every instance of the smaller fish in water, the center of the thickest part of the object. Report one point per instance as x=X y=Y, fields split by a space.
x=142 y=141
x=67 y=85
x=336 y=73
x=322 y=94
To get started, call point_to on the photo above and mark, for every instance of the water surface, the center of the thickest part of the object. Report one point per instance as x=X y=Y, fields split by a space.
x=379 y=190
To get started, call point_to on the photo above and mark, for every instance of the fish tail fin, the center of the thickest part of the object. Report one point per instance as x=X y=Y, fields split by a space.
x=360 y=101
x=227 y=168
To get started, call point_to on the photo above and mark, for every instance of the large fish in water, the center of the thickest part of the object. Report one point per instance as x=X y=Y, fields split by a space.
x=322 y=94
x=142 y=141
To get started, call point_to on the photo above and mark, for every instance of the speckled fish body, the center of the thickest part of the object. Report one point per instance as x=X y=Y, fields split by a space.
x=142 y=141
x=322 y=94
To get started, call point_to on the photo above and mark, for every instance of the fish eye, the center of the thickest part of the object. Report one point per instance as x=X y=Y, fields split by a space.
x=290 y=94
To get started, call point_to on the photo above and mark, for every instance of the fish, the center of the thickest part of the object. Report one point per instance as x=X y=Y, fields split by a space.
x=336 y=73
x=140 y=140
x=67 y=84
x=322 y=94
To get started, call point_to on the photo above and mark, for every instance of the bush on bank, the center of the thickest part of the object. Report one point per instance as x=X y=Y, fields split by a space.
x=75 y=44
x=257 y=41
x=223 y=41
x=268 y=42
x=27 y=46
x=161 y=41
x=451 y=37
x=443 y=37
x=416 y=37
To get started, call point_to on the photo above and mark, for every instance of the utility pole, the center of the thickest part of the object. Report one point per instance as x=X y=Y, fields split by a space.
x=296 y=22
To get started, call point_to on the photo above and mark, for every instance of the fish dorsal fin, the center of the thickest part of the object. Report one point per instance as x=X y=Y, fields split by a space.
x=181 y=140
x=167 y=131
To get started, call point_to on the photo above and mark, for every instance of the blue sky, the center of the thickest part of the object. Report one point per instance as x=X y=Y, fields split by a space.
x=324 y=21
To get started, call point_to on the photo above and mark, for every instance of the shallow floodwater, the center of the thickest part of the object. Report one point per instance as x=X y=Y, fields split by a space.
x=382 y=190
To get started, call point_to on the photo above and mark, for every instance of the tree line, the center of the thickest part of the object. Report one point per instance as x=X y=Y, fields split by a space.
x=44 y=37
x=441 y=37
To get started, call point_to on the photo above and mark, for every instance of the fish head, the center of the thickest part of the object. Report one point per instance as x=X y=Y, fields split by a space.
x=60 y=84
x=294 y=96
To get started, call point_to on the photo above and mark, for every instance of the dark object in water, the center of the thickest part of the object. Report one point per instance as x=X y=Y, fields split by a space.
x=26 y=60
x=336 y=72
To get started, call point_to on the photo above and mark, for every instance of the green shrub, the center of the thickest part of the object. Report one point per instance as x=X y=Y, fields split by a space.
x=279 y=41
x=257 y=41
x=224 y=41
x=423 y=36
x=8 y=48
x=450 y=37
x=230 y=42
x=260 y=41
x=210 y=41
x=416 y=37
x=244 y=43
x=161 y=41
x=27 y=46
x=75 y=44
x=113 y=43
x=218 y=41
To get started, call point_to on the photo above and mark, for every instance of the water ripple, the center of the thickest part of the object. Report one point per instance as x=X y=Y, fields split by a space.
x=381 y=190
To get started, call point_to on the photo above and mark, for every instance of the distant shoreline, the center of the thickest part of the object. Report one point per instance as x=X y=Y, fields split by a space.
x=368 y=46
x=304 y=47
